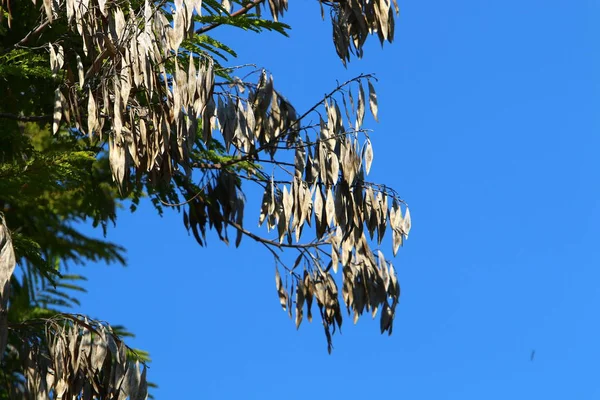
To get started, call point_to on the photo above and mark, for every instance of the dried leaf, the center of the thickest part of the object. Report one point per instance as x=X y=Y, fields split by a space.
x=102 y=7
x=239 y=220
x=318 y=205
x=7 y=266
x=142 y=392
x=333 y=168
x=57 y=115
x=300 y=158
x=368 y=156
x=198 y=6
x=299 y=303
x=360 y=111
x=48 y=9
x=92 y=118
x=117 y=160
x=226 y=4
x=60 y=56
x=334 y=258
x=80 y=71
x=330 y=207
x=373 y=100
x=386 y=318
x=53 y=62
x=280 y=290
x=351 y=98
x=407 y=223
x=99 y=351
x=267 y=204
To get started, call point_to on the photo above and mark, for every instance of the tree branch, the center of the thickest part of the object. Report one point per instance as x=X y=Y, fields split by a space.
x=311 y=245
x=29 y=36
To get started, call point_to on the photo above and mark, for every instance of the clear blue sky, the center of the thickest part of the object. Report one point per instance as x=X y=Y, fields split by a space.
x=490 y=129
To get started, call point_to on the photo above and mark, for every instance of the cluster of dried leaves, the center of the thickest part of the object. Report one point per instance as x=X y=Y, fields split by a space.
x=76 y=358
x=129 y=78
x=354 y=20
x=137 y=79
x=134 y=86
x=328 y=189
x=66 y=357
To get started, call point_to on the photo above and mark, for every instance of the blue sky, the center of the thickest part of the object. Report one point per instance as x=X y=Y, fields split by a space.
x=489 y=129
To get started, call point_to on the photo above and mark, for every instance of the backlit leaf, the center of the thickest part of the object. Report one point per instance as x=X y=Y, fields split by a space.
x=7 y=266
x=360 y=111
x=373 y=100
x=57 y=115
x=368 y=156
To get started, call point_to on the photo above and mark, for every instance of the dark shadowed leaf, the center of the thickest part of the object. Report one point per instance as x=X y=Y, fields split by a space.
x=280 y=290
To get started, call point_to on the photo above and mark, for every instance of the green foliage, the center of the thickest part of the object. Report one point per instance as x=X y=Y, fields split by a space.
x=247 y=22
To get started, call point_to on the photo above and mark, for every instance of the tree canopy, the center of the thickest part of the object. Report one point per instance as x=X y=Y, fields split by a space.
x=106 y=102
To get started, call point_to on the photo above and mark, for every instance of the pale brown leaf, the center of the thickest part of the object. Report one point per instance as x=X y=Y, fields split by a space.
x=7 y=267
x=333 y=169
x=330 y=207
x=373 y=100
x=288 y=205
x=80 y=71
x=48 y=10
x=102 y=7
x=360 y=111
x=198 y=6
x=300 y=158
x=407 y=223
x=58 y=106
x=368 y=156
x=53 y=62
x=99 y=351
x=334 y=258
x=318 y=205
x=142 y=392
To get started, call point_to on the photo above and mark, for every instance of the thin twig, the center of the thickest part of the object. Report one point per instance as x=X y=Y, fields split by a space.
x=185 y=202
x=30 y=35
x=257 y=238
